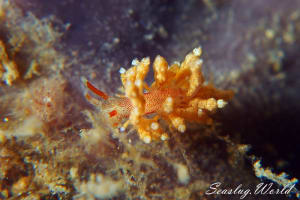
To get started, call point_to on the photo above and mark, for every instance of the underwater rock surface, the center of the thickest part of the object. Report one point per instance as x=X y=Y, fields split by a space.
x=55 y=145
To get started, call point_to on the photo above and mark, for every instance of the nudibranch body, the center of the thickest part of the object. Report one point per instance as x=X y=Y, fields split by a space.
x=178 y=94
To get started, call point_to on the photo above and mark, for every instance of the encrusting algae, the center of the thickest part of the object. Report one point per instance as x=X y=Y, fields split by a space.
x=28 y=45
x=178 y=94
x=8 y=68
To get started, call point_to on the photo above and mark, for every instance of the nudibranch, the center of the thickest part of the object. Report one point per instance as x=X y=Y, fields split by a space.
x=177 y=95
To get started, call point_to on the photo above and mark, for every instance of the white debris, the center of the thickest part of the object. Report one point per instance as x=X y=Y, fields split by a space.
x=200 y=112
x=154 y=126
x=221 y=103
x=122 y=129
x=177 y=63
x=164 y=137
x=47 y=99
x=181 y=128
x=101 y=187
x=199 y=62
x=147 y=139
x=168 y=105
x=182 y=173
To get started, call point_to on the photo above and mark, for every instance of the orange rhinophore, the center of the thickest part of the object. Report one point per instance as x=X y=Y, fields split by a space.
x=178 y=94
x=96 y=91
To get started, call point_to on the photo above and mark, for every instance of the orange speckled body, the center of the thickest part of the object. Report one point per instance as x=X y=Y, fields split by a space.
x=154 y=100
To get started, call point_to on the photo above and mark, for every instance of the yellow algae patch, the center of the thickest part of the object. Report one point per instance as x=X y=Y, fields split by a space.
x=8 y=68
x=27 y=45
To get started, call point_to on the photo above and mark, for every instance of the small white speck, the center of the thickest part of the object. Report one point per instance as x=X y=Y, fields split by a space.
x=138 y=83
x=122 y=70
x=149 y=36
x=177 y=121
x=181 y=128
x=197 y=51
x=82 y=133
x=199 y=62
x=162 y=69
x=74 y=172
x=169 y=99
x=135 y=62
x=182 y=173
x=221 y=103
x=47 y=99
x=116 y=40
x=122 y=129
x=163 y=137
x=177 y=63
x=154 y=126
x=200 y=112
x=147 y=139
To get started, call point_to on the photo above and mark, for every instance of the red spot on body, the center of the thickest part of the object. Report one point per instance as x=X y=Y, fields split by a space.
x=112 y=113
